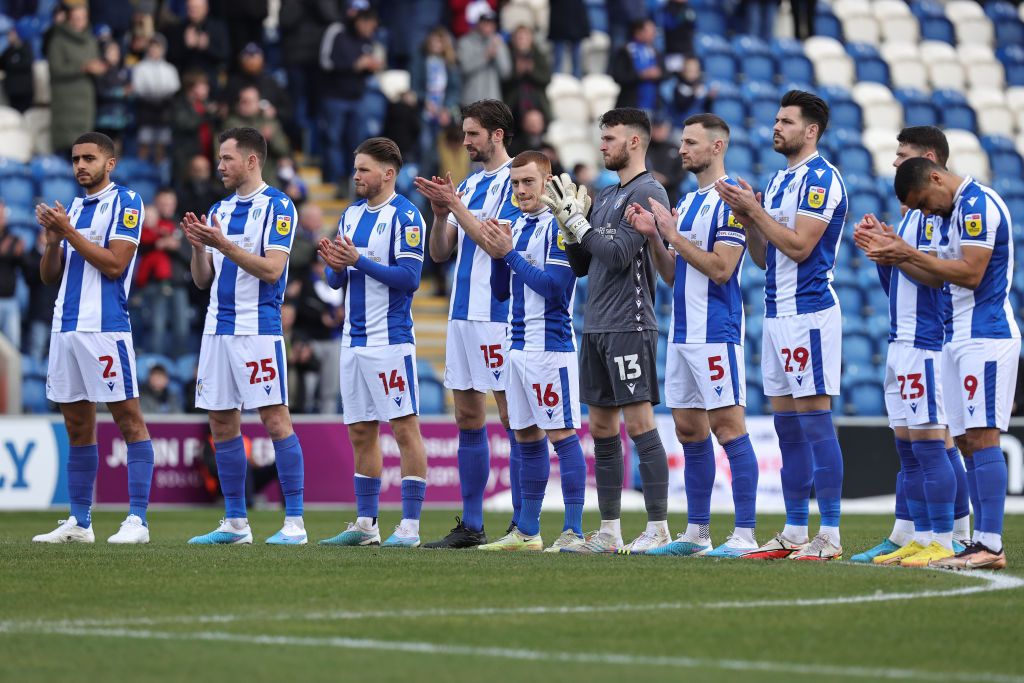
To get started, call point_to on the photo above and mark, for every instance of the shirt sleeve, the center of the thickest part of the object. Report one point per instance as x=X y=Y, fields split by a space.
x=820 y=195
x=409 y=232
x=729 y=230
x=979 y=223
x=509 y=208
x=131 y=215
x=280 y=230
x=452 y=220
x=556 y=249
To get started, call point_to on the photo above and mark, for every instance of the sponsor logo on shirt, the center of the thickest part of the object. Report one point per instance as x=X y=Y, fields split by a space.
x=816 y=197
x=130 y=218
x=972 y=223
x=283 y=225
x=412 y=235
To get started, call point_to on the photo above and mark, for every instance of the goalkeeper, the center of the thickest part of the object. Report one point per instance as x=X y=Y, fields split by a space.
x=618 y=371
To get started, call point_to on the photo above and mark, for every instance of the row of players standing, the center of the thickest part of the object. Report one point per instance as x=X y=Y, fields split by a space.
x=705 y=389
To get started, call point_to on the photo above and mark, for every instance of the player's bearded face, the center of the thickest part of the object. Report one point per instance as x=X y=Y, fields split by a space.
x=368 y=178
x=90 y=164
x=615 y=155
x=477 y=141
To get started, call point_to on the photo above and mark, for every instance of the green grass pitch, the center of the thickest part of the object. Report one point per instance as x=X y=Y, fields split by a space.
x=171 y=612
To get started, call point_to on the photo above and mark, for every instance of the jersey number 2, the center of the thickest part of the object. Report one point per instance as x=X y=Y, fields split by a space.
x=108 y=363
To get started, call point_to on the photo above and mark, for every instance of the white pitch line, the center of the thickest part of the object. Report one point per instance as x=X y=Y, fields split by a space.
x=817 y=670
x=990 y=582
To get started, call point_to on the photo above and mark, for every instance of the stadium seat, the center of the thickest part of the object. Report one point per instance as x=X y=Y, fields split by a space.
x=938 y=28
x=432 y=396
x=827 y=24
x=720 y=66
x=1008 y=25
x=994 y=117
x=1012 y=57
x=739 y=160
x=18 y=190
x=969 y=22
x=33 y=396
x=1009 y=187
x=858 y=348
x=601 y=91
x=905 y=67
x=144 y=363
x=918 y=109
x=59 y=189
x=51 y=166
x=981 y=66
x=865 y=398
x=1008 y=164
x=731 y=109
x=880 y=108
x=184 y=369
x=896 y=21
x=595 y=51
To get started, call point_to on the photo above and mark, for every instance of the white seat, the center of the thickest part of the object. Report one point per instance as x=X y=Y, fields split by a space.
x=961 y=140
x=986 y=75
x=834 y=71
x=974 y=31
x=881 y=142
x=10 y=118
x=37 y=122
x=946 y=75
x=601 y=91
x=900 y=29
x=571 y=108
x=41 y=82
x=561 y=132
x=888 y=9
x=909 y=74
x=937 y=51
x=972 y=163
x=881 y=160
x=850 y=8
x=574 y=153
x=871 y=93
x=862 y=29
x=996 y=121
x=963 y=9
x=880 y=108
x=823 y=46
x=514 y=15
x=970 y=53
x=894 y=52
x=394 y=83
x=16 y=144
x=542 y=13
x=1015 y=98
x=979 y=98
x=595 y=50
x=563 y=85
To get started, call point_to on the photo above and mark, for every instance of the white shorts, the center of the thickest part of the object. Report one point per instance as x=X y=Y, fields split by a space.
x=979 y=377
x=705 y=376
x=474 y=355
x=801 y=355
x=379 y=383
x=543 y=389
x=91 y=366
x=913 y=387
x=241 y=372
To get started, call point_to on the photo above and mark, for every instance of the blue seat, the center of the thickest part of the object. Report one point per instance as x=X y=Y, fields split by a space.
x=920 y=114
x=846 y=114
x=33 y=395
x=827 y=24
x=11 y=168
x=720 y=66
x=786 y=47
x=185 y=367
x=938 y=28
x=130 y=170
x=851 y=300
x=18 y=190
x=755 y=399
x=873 y=69
x=710 y=20
x=49 y=166
x=731 y=109
x=855 y=159
x=32 y=368
x=1006 y=163
x=432 y=397
x=763 y=111
x=1012 y=57
x=959 y=116
x=753 y=91
x=739 y=160
x=59 y=189
x=1009 y=29
x=796 y=68
x=26 y=232
x=878 y=326
x=877 y=301
x=708 y=43
x=861 y=204
x=866 y=398
x=858 y=348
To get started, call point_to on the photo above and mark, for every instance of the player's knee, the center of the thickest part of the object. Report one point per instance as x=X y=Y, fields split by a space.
x=690 y=434
x=133 y=428
x=81 y=432
x=469 y=417
x=727 y=433
x=277 y=422
x=963 y=445
x=406 y=430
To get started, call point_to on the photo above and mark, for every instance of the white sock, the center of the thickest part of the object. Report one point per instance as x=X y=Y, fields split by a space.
x=698 y=533
x=366 y=523
x=992 y=541
x=902 y=532
x=923 y=537
x=613 y=527
x=656 y=528
x=297 y=521
x=412 y=525
x=832 y=532
x=945 y=539
x=796 y=534
x=745 y=535
x=239 y=522
x=962 y=527
x=974 y=536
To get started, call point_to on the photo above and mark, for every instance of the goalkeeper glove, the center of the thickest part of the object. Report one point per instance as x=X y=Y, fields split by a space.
x=570 y=206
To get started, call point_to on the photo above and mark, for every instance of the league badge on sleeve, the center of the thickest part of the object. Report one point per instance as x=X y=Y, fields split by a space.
x=283 y=225
x=816 y=197
x=130 y=218
x=733 y=223
x=972 y=223
x=560 y=241
x=412 y=235
x=928 y=229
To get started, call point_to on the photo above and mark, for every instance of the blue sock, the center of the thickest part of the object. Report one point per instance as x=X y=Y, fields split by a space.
x=231 y=467
x=413 y=491
x=972 y=489
x=290 y=473
x=902 y=511
x=83 y=461
x=743 y=466
x=828 y=463
x=367 y=496
x=474 y=469
x=913 y=486
x=699 y=479
x=140 y=477
x=573 y=469
x=939 y=483
x=990 y=472
x=536 y=470
x=962 y=504
x=797 y=468
x=515 y=465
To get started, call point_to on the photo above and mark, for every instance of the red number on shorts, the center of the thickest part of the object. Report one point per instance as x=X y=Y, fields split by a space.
x=916 y=388
x=108 y=361
x=492 y=355
x=715 y=366
x=800 y=355
x=396 y=381
x=970 y=386
x=549 y=399
x=264 y=364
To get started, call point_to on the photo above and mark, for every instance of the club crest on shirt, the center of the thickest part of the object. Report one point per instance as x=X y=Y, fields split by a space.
x=381 y=227
x=619 y=200
x=283 y=225
x=412 y=235
x=704 y=209
x=130 y=218
x=816 y=197
x=972 y=223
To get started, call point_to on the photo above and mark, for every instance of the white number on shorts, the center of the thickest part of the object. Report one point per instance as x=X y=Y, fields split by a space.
x=629 y=368
x=549 y=399
x=396 y=381
x=493 y=357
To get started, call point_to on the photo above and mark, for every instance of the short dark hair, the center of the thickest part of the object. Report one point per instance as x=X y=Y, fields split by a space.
x=912 y=175
x=249 y=140
x=534 y=157
x=709 y=121
x=382 y=150
x=638 y=25
x=812 y=108
x=627 y=116
x=492 y=115
x=102 y=141
x=927 y=139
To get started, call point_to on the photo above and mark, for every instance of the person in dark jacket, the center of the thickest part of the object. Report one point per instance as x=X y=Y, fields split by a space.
x=637 y=68
x=194 y=121
x=524 y=89
x=200 y=42
x=568 y=26
x=16 y=63
x=244 y=20
x=251 y=73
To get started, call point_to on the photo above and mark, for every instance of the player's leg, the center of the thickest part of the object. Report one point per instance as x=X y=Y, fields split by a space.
x=515 y=458
x=83 y=461
x=962 y=501
x=560 y=419
x=128 y=416
x=414 y=481
x=277 y=421
x=536 y=470
x=730 y=428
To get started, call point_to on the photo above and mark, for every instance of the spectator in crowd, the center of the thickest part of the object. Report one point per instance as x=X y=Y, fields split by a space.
x=484 y=60
x=74 y=59
x=41 y=299
x=113 y=106
x=637 y=68
x=803 y=17
x=760 y=17
x=307 y=238
x=568 y=26
x=530 y=134
x=291 y=182
x=193 y=120
x=154 y=82
x=159 y=276
x=464 y=14
x=531 y=73
x=199 y=191
x=552 y=154
x=200 y=42
x=663 y=159
x=254 y=112
x=402 y=124
x=679 y=21
x=690 y=95
x=320 y=314
x=245 y=22
x=16 y=63
x=116 y=15
x=157 y=396
x=623 y=15
x=139 y=37
x=303 y=367
x=350 y=59
x=408 y=23
x=12 y=252
x=302 y=24
x=436 y=80
x=251 y=72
